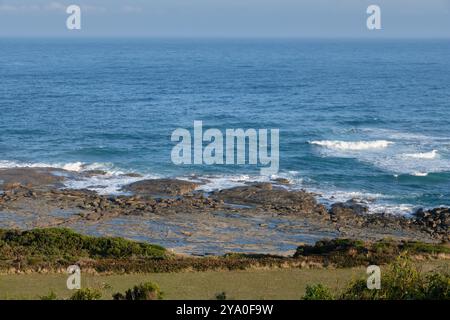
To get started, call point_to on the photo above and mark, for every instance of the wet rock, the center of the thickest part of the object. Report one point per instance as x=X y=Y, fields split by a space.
x=352 y=213
x=436 y=222
x=271 y=198
x=161 y=187
x=348 y=208
x=282 y=181
x=131 y=175
x=93 y=173
x=36 y=177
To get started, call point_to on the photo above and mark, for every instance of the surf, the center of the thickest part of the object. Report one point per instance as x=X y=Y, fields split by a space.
x=353 y=145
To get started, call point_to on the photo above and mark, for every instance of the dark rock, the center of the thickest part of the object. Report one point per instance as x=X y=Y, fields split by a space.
x=435 y=222
x=93 y=173
x=36 y=177
x=131 y=175
x=350 y=207
x=161 y=187
x=269 y=197
x=282 y=181
x=353 y=213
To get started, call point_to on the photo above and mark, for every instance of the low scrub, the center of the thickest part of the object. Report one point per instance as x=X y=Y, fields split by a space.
x=351 y=253
x=318 y=292
x=403 y=280
x=64 y=246
x=143 y=291
x=55 y=249
x=86 y=294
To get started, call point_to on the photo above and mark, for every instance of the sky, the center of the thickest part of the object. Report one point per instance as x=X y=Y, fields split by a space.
x=226 y=18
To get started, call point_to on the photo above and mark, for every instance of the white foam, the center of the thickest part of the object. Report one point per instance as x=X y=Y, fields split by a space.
x=104 y=184
x=422 y=155
x=220 y=182
x=420 y=174
x=110 y=182
x=71 y=166
x=375 y=202
x=353 y=145
x=401 y=164
x=394 y=209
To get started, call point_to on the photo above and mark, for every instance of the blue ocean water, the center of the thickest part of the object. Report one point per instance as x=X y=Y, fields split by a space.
x=358 y=119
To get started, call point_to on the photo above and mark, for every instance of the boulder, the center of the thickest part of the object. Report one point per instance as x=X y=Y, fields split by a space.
x=32 y=177
x=435 y=222
x=161 y=187
x=270 y=197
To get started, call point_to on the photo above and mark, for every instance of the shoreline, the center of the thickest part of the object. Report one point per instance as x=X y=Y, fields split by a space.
x=264 y=218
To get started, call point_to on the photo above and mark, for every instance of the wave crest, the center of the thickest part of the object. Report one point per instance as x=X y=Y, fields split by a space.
x=353 y=145
x=422 y=155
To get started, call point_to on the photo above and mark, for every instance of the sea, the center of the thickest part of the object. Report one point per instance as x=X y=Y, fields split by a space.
x=358 y=119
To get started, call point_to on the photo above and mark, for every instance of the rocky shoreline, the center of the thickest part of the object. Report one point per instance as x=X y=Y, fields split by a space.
x=251 y=218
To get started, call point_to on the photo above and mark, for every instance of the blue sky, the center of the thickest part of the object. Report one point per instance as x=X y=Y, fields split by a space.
x=226 y=18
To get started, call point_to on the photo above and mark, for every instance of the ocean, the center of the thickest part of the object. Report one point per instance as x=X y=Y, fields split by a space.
x=358 y=119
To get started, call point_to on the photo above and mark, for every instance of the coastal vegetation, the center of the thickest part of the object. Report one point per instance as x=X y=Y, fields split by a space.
x=143 y=291
x=86 y=294
x=54 y=249
x=48 y=252
x=61 y=247
x=403 y=280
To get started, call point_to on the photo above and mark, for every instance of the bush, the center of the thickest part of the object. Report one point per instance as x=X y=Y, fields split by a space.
x=86 y=294
x=143 y=291
x=50 y=296
x=438 y=286
x=350 y=253
x=318 y=292
x=66 y=246
x=403 y=281
x=221 y=296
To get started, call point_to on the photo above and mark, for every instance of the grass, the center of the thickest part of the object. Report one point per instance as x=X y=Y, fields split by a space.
x=248 y=284
x=251 y=284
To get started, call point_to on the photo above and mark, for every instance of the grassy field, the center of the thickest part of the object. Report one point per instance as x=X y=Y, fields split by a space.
x=252 y=284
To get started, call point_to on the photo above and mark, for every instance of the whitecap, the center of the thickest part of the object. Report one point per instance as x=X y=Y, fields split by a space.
x=353 y=145
x=420 y=174
x=422 y=155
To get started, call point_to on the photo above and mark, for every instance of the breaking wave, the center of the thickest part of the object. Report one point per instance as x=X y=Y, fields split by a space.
x=353 y=145
x=422 y=155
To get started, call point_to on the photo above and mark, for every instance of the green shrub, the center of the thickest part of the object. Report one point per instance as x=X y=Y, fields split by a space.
x=438 y=286
x=421 y=247
x=50 y=296
x=318 y=292
x=143 y=291
x=221 y=296
x=403 y=281
x=65 y=246
x=350 y=253
x=86 y=294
